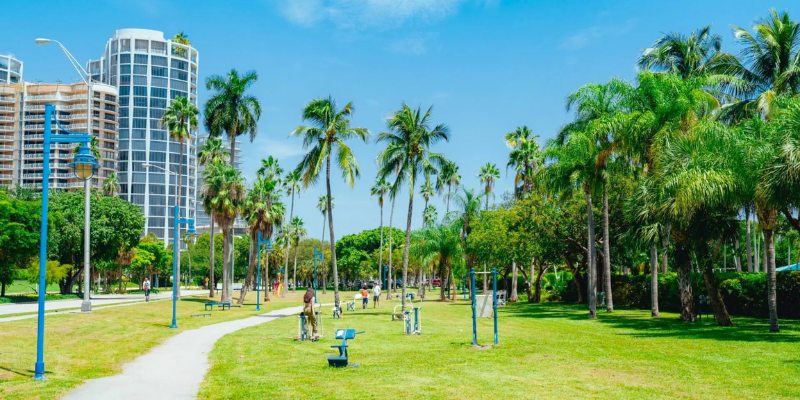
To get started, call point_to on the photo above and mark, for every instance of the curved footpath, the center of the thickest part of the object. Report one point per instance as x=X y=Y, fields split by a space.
x=172 y=370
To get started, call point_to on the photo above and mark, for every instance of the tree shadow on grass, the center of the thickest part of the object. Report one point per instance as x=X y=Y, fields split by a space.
x=638 y=323
x=27 y=373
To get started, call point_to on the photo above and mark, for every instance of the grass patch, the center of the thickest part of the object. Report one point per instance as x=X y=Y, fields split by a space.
x=85 y=346
x=545 y=351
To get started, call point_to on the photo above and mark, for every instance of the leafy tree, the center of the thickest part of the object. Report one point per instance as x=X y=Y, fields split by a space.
x=330 y=128
x=19 y=238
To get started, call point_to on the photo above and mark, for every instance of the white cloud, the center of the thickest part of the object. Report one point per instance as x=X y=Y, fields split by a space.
x=355 y=14
x=594 y=34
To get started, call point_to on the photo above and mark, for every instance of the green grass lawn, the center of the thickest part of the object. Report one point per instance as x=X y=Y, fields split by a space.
x=545 y=351
x=85 y=346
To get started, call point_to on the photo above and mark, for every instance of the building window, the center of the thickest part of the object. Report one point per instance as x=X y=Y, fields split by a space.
x=159 y=71
x=125 y=58
x=141 y=45
x=158 y=92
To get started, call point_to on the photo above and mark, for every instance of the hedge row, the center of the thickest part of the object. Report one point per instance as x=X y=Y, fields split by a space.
x=744 y=293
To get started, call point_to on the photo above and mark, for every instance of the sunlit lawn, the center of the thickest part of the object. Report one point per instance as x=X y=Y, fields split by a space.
x=83 y=346
x=545 y=351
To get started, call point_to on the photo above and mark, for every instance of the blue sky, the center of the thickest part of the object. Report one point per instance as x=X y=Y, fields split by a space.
x=485 y=66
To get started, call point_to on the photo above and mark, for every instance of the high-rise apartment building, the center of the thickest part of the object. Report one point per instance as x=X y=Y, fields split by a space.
x=149 y=71
x=22 y=128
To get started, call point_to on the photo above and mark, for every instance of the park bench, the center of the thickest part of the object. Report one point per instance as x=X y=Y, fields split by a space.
x=209 y=305
x=703 y=307
x=201 y=315
x=341 y=360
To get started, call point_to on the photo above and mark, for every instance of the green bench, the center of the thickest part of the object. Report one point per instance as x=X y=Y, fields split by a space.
x=209 y=305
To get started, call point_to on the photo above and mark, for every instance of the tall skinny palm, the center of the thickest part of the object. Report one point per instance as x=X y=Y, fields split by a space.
x=488 y=175
x=223 y=194
x=329 y=129
x=291 y=183
x=380 y=189
x=180 y=118
x=525 y=157
x=263 y=212
x=298 y=232
x=408 y=155
x=211 y=152
x=322 y=206
x=448 y=178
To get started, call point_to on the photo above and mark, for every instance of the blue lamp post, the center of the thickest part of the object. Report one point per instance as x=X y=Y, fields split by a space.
x=84 y=165
x=177 y=222
x=267 y=243
x=321 y=256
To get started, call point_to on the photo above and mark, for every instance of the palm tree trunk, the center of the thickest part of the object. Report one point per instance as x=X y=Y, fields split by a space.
x=251 y=268
x=330 y=228
x=380 y=248
x=765 y=261
x=705 y=260
x=391 y=236
x=286 y=261
x=769 y=218
x=747 y=244
x=756 y=250
x=653 y=280
x=266 y=279
x=736 y=260
x=178 y=204
x=665 y=248
x=211 y=260
x=321 y=243
x=683 y=266
x=513 y=297
x=442 y=272
x=226 y=260
x=408 y=242
x=447 y=200
x=607 y=253
x=591 y=258
x=294 y=271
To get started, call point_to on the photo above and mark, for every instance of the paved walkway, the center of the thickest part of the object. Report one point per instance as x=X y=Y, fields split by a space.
x=173 y=370
x=97 y=301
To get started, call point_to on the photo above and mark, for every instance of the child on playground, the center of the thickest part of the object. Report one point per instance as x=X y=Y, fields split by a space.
x=376 y=294
x=364 y=297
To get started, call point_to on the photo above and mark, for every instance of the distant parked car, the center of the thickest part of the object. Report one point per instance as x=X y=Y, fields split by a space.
x=436 y=282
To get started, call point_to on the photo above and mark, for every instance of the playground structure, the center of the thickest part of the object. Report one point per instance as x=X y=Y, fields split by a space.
x=474 y=302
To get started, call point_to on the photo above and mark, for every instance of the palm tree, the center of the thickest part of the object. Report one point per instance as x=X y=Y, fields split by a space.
x=111 y=185
x=408 y=155
x=426 y=190
x=298 y=231
x=223 y=195
x=270 y=168
x=291 y=183
x=180 y=118
x=329 y=130
x=263 y=212
x=444 y=244
x=322 y=206
x=429 y=215
x=379 y=189
x=770 y=65
x=211 y=152
x=232 y=111
x=448 y=177
x=525 y=157
x=489 y=173
x=469 y=207
x=696 y=54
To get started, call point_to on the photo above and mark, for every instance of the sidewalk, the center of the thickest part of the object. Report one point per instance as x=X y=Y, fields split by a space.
x=174 y=369
x=97 y=301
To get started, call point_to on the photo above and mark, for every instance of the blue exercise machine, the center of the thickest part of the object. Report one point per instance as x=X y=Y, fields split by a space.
x=474 y=304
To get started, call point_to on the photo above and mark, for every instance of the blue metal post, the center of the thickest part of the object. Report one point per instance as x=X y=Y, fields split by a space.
x=175 y=256
x=258 y=274
x=416 y=319
x=494 y=301
x=82 y=138
x=472 y=297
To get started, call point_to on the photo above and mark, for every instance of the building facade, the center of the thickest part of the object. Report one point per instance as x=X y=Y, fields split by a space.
x=10 y=103
x=149 y=71
x=10 y=69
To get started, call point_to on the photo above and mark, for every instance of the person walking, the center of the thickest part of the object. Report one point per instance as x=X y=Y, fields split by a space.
x=364 y=297
x=146 y=287
x=376 y=294
x=308 y=310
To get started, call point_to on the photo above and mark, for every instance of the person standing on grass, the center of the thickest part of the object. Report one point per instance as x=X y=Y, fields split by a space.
x=308 y=310
x=376 y=294
x=146 y=287
x=364 y=297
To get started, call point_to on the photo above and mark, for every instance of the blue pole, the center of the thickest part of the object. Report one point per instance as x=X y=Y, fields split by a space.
x=174 y=266
x=39 y=369
x=494 y=301
x=258 y=275
x=472 y=297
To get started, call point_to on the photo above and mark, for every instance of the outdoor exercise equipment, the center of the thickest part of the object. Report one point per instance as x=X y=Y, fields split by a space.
x=412 y=321
x=472 y=273
x=341 y=360
x=302 y=329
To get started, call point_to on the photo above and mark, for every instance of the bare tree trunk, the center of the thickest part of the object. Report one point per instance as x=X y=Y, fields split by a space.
x=330 y=229
x=736 y=260
x=513 y=296
x=408 y=242
x=769 y=219
x=321 y=243
x=251 y=268
x=607 y=253
x=532 y=290
x=211 y=261
x=683 y=266
x=591 y=258
x=537 y=294
x=653 y=281
x=227 y=257
x=294 y=271
x=266 y=278
x=756 y=251
x=380 y=247
x=391 y=236
x=705 y=258
x=747 y=240
x=764 y=259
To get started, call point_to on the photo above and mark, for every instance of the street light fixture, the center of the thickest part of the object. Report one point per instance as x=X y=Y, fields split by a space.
x=86 y=305
x=260 y=242
x=84 y=164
